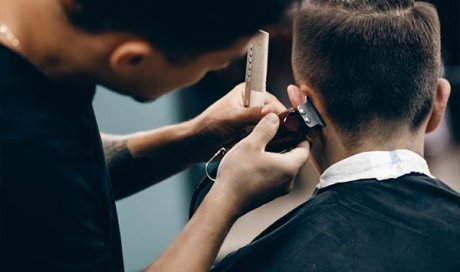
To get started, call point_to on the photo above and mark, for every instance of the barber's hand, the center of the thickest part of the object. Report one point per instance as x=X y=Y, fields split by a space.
x=248 y=176
x=225 y=120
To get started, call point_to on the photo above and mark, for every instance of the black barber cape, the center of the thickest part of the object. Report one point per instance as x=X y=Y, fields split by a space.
x=408 y=224
x=57 y=207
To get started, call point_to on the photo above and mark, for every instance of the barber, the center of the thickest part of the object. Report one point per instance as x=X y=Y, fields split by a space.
x=59 y=181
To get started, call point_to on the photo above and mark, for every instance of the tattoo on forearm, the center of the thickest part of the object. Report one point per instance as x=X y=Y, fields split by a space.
x=113 y=148
x=128 y=175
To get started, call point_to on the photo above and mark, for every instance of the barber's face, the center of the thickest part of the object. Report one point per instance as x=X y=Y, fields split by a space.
x=144 y=73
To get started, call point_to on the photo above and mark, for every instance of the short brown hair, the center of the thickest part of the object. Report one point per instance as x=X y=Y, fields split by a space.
x=374 y=63
x=182 y=29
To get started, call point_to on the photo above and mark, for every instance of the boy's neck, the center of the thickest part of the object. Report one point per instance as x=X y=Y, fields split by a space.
x=332 y=148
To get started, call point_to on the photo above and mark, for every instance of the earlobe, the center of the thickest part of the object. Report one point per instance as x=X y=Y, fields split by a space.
x=439 y=105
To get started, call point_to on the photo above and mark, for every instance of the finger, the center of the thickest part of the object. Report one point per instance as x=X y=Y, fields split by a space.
x=295 y=96
x=250 y=116
x=264 y=131
x=240 y=90
x=240 y=87
x=275 y=104
x=298 y=156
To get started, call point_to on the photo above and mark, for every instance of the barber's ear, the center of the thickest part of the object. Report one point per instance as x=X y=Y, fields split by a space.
x=439 y=105
x=295 y=96
x=128 y=56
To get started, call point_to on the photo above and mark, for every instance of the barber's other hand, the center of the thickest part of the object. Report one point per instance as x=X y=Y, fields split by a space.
x=248 y=176
x=225 y=120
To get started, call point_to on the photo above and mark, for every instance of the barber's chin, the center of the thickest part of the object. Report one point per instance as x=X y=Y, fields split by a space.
x=151 y=95
x=145 y=97
x=143 y=100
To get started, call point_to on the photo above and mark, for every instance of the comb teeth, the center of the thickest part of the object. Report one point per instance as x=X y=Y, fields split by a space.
x=256 y=69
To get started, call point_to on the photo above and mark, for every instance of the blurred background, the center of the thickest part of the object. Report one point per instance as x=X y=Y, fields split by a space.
x=150 y=220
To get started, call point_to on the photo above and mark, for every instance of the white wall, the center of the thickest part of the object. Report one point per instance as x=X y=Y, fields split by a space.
x=149 y=220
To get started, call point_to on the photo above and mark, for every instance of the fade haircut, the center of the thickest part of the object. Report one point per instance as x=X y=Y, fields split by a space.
x=374 y=63
x=181 y=29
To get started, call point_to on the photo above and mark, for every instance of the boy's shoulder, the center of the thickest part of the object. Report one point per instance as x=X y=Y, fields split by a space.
x=357 y=225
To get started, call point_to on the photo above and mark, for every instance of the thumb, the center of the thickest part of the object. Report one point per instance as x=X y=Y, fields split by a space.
x=264 y=131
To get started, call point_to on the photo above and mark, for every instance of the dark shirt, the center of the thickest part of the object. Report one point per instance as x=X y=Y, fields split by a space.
x=408 y=224
x=57 y=207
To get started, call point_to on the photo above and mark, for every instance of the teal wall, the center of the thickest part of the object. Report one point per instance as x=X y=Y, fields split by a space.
x=149 y=220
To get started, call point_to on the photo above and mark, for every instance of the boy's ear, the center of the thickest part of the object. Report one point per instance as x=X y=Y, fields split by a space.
x=295 y=96
x=439 y=105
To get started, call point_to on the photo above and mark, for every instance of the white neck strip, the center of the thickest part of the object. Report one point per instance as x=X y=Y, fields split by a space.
x=380 y=165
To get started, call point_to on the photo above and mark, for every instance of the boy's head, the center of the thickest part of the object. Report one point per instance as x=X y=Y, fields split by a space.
x=372 y=65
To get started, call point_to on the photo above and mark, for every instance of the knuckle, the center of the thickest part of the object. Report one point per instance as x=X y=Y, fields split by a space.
x=240 y=86
x=291 y=172
x=247 y=144
x=271 y=97
x=267 y=132
x=294 y=164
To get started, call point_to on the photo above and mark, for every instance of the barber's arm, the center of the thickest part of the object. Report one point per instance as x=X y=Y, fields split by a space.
x=140 y=160
x=248 y=176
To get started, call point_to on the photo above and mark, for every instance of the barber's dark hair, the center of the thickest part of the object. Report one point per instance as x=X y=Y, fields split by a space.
x=374 y=63
x=182 y=29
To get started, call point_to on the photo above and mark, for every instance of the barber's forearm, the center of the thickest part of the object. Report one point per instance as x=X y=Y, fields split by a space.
x=196 y=247
x=140 y=160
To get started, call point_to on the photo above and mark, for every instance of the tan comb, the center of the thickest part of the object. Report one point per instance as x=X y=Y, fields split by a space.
x=256 y=70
